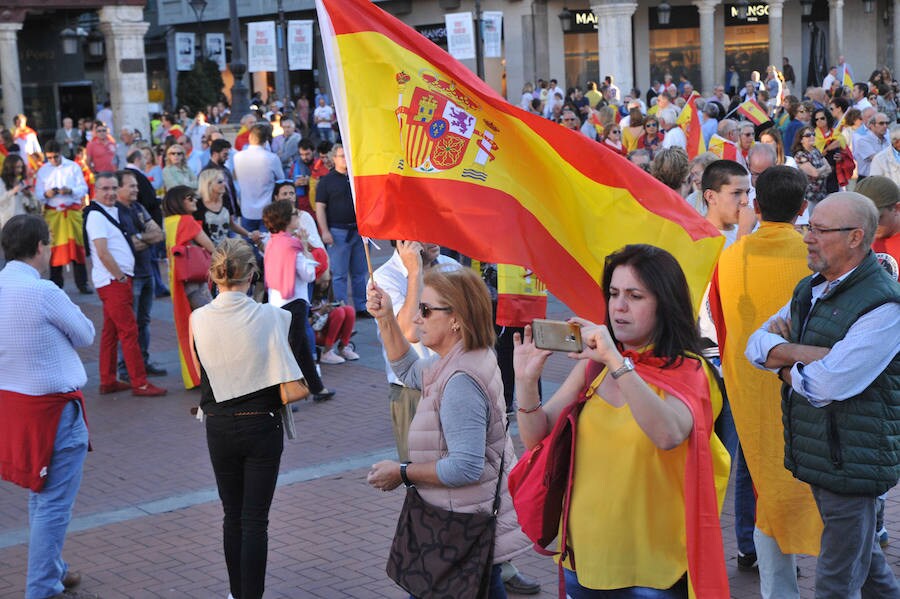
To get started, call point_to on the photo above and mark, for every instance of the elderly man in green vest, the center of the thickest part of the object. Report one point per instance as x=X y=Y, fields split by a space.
x=835 y=346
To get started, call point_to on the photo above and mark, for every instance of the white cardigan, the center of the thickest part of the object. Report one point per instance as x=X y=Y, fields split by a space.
x=243 y=345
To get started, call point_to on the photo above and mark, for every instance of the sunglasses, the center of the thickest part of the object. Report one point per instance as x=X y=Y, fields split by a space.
x=176 y=153
x=426 y=310
x=821 y=118
x=648 y=125
x=809 y=135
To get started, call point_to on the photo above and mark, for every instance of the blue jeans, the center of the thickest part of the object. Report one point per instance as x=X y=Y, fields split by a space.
x=245 y=452
x=348 y=260
x=744 y=505
x=50 y=510
x=851 y=564
x=496 y=590
x=777 y=570
x=159 y=255
x=253 y=224
x=575 y=591
x=143 y=288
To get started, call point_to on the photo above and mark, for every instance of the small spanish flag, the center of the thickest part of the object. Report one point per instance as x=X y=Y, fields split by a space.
x=436 y=155
x=723 y=148
x=752 y=111
x=847 y=77
x=689 y=120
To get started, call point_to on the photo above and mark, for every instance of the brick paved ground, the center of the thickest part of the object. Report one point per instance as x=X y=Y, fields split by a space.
x=147 y=520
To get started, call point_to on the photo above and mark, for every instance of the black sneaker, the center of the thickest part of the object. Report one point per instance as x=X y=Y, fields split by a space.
x=323 y=395
x=154 y=370
x=747 y=563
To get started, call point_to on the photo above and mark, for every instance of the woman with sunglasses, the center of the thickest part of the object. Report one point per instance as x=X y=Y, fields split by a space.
x=812 y=164
x=290 y=266
x=176 y=171
x=181 y=228
x=458 y=434
x=651 y=140
x=612 y=139
x=643 y=520
x=240 y=399
x=217 y=221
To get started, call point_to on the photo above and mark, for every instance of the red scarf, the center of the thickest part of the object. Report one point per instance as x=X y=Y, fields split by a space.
x=705 y=552
x=28 y=434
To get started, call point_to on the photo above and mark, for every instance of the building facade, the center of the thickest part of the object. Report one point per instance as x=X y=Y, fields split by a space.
x=575 y=42
x=60 y=57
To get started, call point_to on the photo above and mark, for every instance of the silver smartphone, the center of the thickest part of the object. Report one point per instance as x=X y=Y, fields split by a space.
x=556 y=335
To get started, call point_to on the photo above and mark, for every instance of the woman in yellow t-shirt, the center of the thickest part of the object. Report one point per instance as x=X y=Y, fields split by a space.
x=650 y=474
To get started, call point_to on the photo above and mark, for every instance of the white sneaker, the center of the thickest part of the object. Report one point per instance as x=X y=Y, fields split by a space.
x=349 y=354
x=330 y=357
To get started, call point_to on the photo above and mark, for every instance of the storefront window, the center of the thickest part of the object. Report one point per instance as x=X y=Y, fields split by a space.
x=747 y=48
x=582 y=59
x=675 y=52
x=675 y=47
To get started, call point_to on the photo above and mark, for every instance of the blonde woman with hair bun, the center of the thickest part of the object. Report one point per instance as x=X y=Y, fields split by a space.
x=240 y=348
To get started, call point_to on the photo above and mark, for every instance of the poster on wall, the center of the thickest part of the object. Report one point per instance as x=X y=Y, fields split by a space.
x=460 y=35
x=184 y=51
x=492 y=28
x=261 y=55
x=215 y=49
x=300 y=45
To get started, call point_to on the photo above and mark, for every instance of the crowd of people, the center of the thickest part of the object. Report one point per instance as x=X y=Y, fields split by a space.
x=788 y=376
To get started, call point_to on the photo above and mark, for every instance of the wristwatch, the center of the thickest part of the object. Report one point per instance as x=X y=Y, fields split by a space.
x=627 y=366
x=403 y=475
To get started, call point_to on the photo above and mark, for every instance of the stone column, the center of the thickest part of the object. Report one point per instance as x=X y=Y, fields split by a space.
x=123 y=30
x=896 y=18
x=9 y=71
x=707 y=10
x=835 y=30
x=776 y=43
x=616 y=46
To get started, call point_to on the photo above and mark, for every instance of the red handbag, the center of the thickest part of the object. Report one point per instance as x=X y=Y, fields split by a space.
x=540 y=484
x=190 y=263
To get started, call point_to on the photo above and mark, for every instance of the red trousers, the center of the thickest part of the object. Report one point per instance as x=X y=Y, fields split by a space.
x=339 y=326
x=120 y=326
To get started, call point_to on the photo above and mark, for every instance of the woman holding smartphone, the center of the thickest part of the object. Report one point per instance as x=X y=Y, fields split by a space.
x=647 y=402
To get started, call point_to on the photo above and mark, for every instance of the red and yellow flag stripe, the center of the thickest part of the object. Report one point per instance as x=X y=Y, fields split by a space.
x=519 y=190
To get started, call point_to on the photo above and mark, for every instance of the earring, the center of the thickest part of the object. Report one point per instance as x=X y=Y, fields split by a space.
x=455 y=328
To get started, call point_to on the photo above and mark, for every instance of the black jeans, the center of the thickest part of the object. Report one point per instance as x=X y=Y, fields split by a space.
x=245 y=452
x=79 y=272
x=300 y=346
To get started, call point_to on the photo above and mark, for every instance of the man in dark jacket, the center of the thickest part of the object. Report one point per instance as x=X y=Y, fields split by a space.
x=836 y=346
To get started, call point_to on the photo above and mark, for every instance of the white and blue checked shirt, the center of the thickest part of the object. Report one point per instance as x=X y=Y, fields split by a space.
x=40 y=327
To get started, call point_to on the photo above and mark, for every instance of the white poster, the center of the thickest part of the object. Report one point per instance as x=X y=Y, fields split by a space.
x=460 y=35
x=261 y=55
x=492 y=33
x=300 y=45
x=215 y=49
x=184 y=51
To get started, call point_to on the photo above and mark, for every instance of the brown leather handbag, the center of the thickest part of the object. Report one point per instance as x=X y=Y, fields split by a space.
x=292 y=391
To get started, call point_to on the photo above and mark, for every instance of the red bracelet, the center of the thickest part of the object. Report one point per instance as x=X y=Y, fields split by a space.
x=530 y=410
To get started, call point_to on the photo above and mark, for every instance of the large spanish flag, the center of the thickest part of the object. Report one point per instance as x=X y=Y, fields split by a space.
x=436 y=155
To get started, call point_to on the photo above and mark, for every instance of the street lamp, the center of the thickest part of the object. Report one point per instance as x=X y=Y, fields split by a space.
x=70 y=39
x=240 y=95
x=282 y=77
x=807 y=6
x=198 y=6
x=742 y=6
x=565 y=19
x=664 y=12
